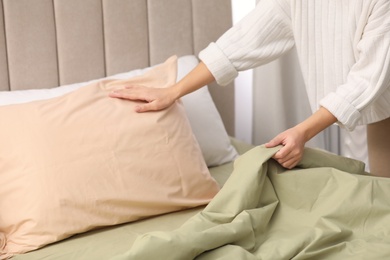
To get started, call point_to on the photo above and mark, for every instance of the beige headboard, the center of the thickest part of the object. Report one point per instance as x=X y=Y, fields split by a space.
x=48 y=43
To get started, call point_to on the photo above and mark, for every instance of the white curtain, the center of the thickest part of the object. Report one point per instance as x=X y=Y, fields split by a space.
x=280 y=102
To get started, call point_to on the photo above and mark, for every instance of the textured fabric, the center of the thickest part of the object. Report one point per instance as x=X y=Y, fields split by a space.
x=79 y=27
x=29 y=25
x=121 y=50
x=343 y=48
x=85 y=160
x=326 y=209
x=53 y=42
x=199 y=106
x=170 y=31
x=4 y=84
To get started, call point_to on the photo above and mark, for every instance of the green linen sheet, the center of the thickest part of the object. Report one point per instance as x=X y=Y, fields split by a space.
x=327 y=208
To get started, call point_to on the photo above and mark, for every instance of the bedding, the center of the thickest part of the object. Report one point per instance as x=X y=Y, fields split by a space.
x=117 y=36
x=327 y=208
x=107 y=242
x=83 y=160
x=205 y=120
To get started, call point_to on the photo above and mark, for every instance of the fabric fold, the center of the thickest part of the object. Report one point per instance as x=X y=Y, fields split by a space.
x=326 y=208
x=2 y=241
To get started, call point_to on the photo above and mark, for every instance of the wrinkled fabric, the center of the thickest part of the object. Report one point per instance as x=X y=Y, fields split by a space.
x=2 y=241
x=327 y=208
x=84 y=160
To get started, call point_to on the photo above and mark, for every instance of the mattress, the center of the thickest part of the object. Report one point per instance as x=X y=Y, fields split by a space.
x=111 y=241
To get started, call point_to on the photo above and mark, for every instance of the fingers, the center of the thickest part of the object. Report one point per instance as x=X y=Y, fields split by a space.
x=289 y=164
x=128 y=96
x=271 y=144
x=288 y=157
x=274 y=142
x=154 y=98
x=146 y=107
x=293 y=142
x=129 y=92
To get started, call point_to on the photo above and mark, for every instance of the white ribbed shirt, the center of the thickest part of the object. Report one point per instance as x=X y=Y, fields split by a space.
x=343 y=48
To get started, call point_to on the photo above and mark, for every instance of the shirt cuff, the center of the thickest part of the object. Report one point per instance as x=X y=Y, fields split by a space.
x=347 y=115
x=219 y=65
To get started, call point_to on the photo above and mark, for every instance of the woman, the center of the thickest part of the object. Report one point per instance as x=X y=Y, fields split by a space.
x=343 y=49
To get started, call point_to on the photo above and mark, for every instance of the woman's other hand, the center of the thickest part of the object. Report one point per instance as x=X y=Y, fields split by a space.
x=294 y=139
x=293 y=142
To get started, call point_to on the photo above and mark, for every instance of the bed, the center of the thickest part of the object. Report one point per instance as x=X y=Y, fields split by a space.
x=74 y=174
x=45 y=44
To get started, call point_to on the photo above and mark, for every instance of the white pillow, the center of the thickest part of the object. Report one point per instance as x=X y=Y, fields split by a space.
x=204 y=118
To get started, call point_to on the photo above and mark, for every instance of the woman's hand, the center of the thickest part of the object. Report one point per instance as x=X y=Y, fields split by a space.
x=293 y=142
x=154 y=98
x=160 y=98
x=294 y=139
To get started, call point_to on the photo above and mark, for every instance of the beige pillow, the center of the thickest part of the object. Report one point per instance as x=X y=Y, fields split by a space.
x=85 y=160
x=201 y=111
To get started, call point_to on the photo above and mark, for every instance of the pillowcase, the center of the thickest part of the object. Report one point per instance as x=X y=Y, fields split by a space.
x=201 y=111
x=84 y=160
x=205 y=120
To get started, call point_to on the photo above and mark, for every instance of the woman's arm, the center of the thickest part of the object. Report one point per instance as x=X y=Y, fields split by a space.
x=368 y=80
x=160 y=98
x=250 y=43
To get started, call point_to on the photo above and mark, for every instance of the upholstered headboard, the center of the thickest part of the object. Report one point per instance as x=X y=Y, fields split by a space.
x=48 y=43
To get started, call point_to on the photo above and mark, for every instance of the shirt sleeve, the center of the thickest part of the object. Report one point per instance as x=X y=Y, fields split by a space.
x=369 y=77
x=262 y=36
